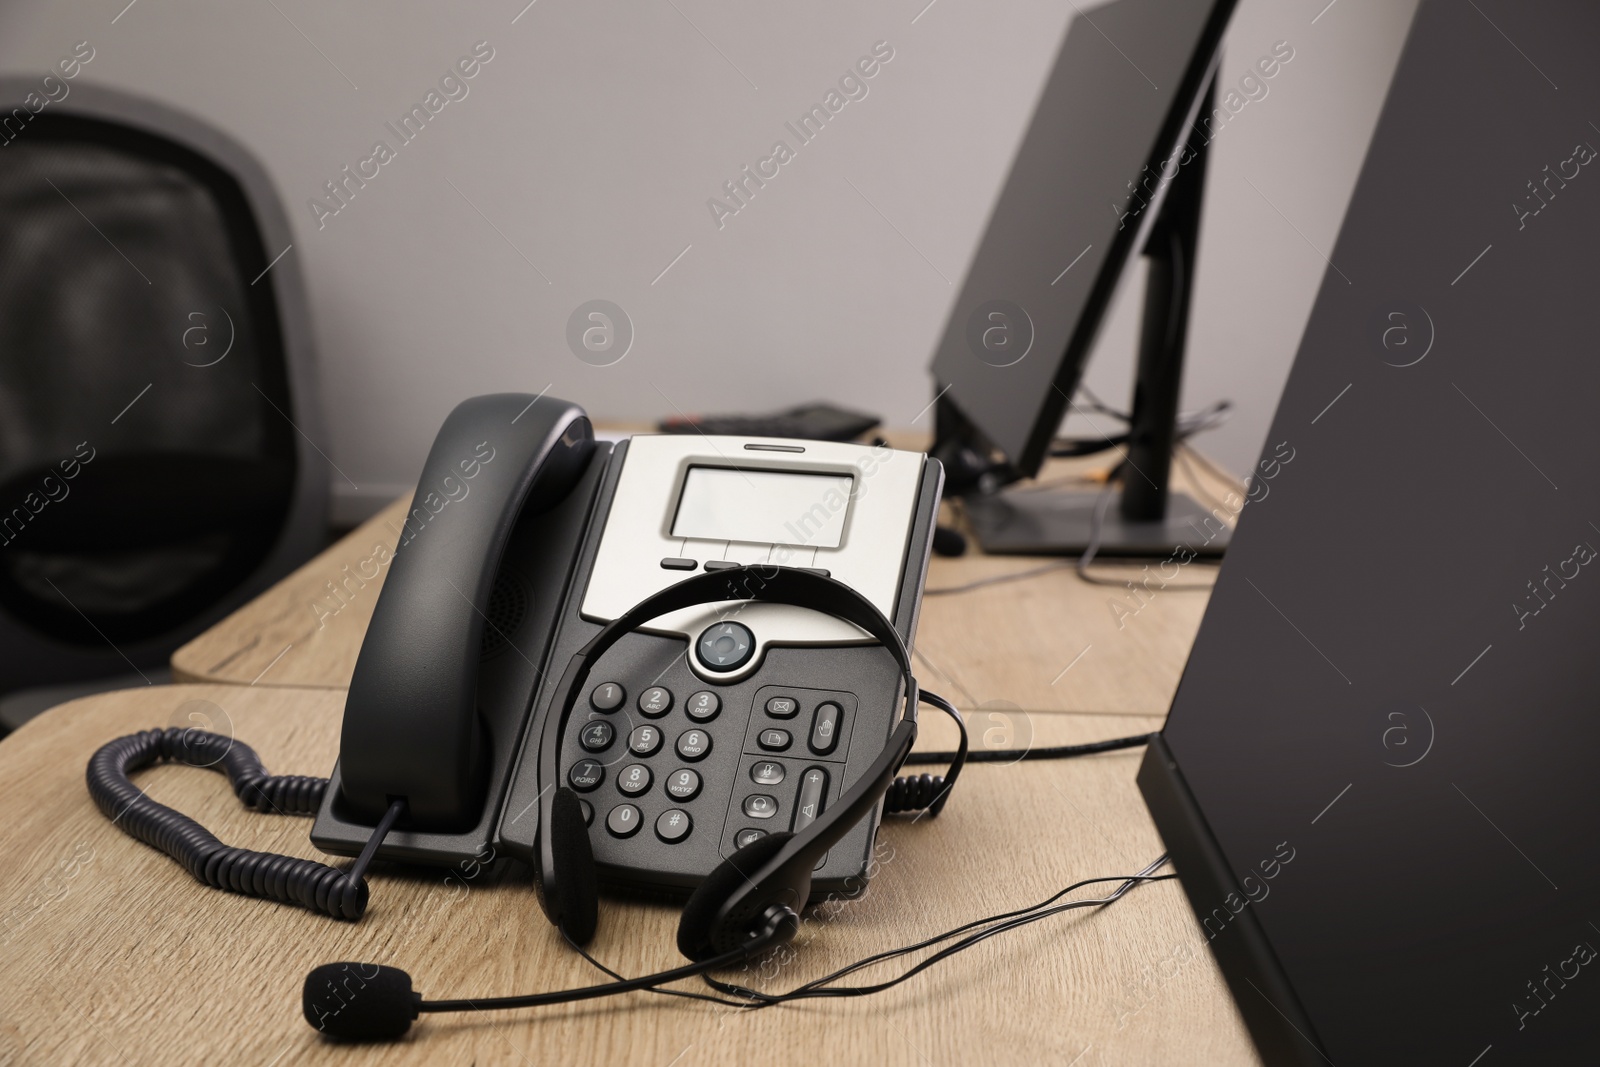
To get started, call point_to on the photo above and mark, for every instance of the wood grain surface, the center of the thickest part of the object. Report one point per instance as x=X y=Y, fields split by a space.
x=114 y=954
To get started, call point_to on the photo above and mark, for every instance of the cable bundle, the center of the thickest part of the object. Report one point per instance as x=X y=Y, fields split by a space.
x=267 y=875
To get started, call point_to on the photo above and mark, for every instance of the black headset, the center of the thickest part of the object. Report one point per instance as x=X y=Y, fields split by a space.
x=752 y=900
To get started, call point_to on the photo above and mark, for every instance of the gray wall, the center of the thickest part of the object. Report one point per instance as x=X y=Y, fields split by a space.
x=580 y=161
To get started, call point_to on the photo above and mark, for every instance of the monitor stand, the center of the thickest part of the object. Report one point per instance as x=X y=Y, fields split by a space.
x=1146 y=519
x=1059 y=522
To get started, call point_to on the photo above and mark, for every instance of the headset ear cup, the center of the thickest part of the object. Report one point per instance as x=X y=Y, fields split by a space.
x=695 y=933
x=572 y=902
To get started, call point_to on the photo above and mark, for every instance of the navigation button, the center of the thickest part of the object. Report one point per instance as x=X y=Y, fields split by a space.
x=726 y=646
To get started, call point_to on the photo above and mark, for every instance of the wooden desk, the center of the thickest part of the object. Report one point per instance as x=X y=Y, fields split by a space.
x=113 y=954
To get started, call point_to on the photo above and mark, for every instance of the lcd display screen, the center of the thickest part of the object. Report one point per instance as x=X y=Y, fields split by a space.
x=763 y=506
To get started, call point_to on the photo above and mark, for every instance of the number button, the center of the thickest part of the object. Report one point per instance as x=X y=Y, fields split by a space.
x=766 y=773
x=683 y=785
x=623 y=820
x=644 y=741
x=597 y=736
x=655 y=701
x=586 y=775
x=634 y=780
x=703 y=706
x=748 y=836
x=760 y=806
x=774 y=740
x=607 y=697
x=694 y=744
x=588 y=812
x=782 y=707
x=673 y=825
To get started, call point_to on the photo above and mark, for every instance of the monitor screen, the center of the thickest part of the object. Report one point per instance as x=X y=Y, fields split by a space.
x=763 y=506
x=1097 y=155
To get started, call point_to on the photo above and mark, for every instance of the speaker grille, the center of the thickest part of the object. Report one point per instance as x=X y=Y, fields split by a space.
x=508 y=606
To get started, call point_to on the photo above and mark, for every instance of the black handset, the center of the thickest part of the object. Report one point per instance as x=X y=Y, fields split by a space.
x=412 y=727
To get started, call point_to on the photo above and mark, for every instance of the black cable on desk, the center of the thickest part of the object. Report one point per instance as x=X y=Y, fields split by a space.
x=268 y=875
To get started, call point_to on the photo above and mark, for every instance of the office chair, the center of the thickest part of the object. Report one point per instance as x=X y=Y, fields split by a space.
x=156 y=388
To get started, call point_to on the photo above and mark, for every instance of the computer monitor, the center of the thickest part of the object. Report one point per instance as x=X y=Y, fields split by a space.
x=1112 y=163
x=1377 y=777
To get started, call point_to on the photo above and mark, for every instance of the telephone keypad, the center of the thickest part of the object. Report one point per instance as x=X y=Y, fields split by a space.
x=634 y=780
x=694 y=744
x=706 y=768
x=703 y=706
x=644 y=741
x=608 y=696
x=586 y=775
x=597 y=735
x=683 y=785
x=674 y=825
x=655 y=701
x=623 y=820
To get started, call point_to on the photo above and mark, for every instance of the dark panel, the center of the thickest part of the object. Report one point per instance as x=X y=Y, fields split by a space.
x=1395 y=678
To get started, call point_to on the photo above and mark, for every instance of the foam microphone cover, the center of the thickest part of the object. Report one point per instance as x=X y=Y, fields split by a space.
x=359 y=1001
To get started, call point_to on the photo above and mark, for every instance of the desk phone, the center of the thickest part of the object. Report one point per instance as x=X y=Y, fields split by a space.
x=702 y=730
